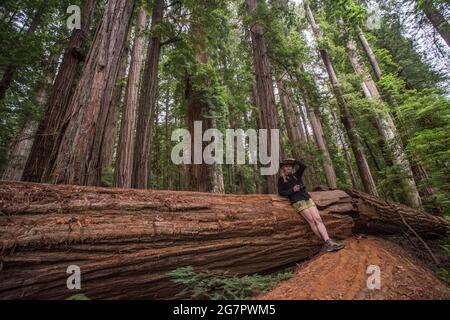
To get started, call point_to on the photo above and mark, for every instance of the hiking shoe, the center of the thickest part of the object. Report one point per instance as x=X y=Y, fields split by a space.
x=332 y=245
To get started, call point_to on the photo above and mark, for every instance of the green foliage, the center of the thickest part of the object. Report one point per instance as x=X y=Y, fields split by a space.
x=108 y=177
x=222 y=285
x=79 y=296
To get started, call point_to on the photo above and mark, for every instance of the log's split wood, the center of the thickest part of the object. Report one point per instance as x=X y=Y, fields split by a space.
x=126 y=241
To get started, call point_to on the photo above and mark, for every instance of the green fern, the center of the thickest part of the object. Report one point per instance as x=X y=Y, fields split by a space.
x=223 y=285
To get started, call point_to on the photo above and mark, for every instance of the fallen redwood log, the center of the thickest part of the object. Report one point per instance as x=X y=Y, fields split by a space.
x=126 y=241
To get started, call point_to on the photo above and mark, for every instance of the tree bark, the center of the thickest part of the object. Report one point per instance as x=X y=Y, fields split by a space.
x=21 y=148
x=203 y=177
x=387 y=130
x=346 y=118
x=108 y=139
x=50 y=130
x=438 y=20
x=147 y=101
x=126 y=241
x=264 y=84
x=78 y=157
x=370 y=55
x=293 y=123
x=330 y=174
x=418 y=169
x=347 y=156
x=124 y=162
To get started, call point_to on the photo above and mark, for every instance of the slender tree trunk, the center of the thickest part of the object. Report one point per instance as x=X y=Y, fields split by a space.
x=264 y=84
x=78 y=157
x=21 y=149
x=124 y=162
x=312 y=172
x=293 y=123
x=347 y=155
x=387 y=130
x=437 y=19
x=11 y=69
x=50 y=131
x=330 y=174
x=147 y=101
x=355 y=140
x=370 y=55
x=418 y=169
x=111 y=126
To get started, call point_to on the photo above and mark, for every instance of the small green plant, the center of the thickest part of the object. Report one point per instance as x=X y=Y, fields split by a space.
x=444 y=273
x=79 y=296
x=223 y=285
x=108 y=177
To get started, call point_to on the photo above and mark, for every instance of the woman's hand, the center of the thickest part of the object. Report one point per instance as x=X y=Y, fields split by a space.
x=297 y=188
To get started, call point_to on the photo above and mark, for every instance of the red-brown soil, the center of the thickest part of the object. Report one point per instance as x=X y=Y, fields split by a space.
x=342 y=275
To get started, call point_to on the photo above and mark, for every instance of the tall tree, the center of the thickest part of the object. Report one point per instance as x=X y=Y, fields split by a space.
x=386 y=128
x=147 y=101
x=203 y=177
x=346 y=118
x=264 y=82
x=124 y=162
x=51 y=129
x=418 y=170
x=437 y=19
x=330 y=174
x=78 y=156
x=295 y=130
x=21 y=148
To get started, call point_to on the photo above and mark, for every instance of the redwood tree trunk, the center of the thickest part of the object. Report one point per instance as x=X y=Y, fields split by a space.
x=21 y=148
x=147 y=101
x=51 y=127
x=124 y=162
x=108 y=139
x=78 y=157
x=127 y=241
x=203 y=177
x=346 y=118
x=294 y=128
x=330 y=174
x=370 y=55
x=387 y=130
x=437 y=19
x=264 y=84
x=419 y=171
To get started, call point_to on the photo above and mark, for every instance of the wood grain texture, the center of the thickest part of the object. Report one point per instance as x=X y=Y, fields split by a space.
x=126 y=241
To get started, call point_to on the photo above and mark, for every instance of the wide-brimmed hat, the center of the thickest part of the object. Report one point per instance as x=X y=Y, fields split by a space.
x=287 y=162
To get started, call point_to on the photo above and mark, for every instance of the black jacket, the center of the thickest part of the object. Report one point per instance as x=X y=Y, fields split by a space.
x=285 y=188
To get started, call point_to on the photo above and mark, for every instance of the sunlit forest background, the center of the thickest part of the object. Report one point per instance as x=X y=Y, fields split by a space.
x=359 y=90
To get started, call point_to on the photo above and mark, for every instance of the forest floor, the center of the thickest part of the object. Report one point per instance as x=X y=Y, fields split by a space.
x=342 y=275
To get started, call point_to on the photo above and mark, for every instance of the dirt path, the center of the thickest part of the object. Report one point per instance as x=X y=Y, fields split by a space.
x=342 y=275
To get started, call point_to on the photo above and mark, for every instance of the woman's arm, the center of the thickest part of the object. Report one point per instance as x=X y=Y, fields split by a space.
x=301 y=169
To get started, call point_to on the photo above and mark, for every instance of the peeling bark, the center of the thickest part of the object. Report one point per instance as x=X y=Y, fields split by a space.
x=126 y=241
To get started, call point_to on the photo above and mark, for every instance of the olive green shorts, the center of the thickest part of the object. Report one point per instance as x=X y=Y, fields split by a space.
x=302 y=205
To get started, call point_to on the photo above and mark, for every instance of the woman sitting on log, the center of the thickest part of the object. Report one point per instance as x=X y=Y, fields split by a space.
x=290 y=185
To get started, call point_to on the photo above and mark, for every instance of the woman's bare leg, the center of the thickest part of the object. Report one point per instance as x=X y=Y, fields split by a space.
x=314 y=212
x=309 y=218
